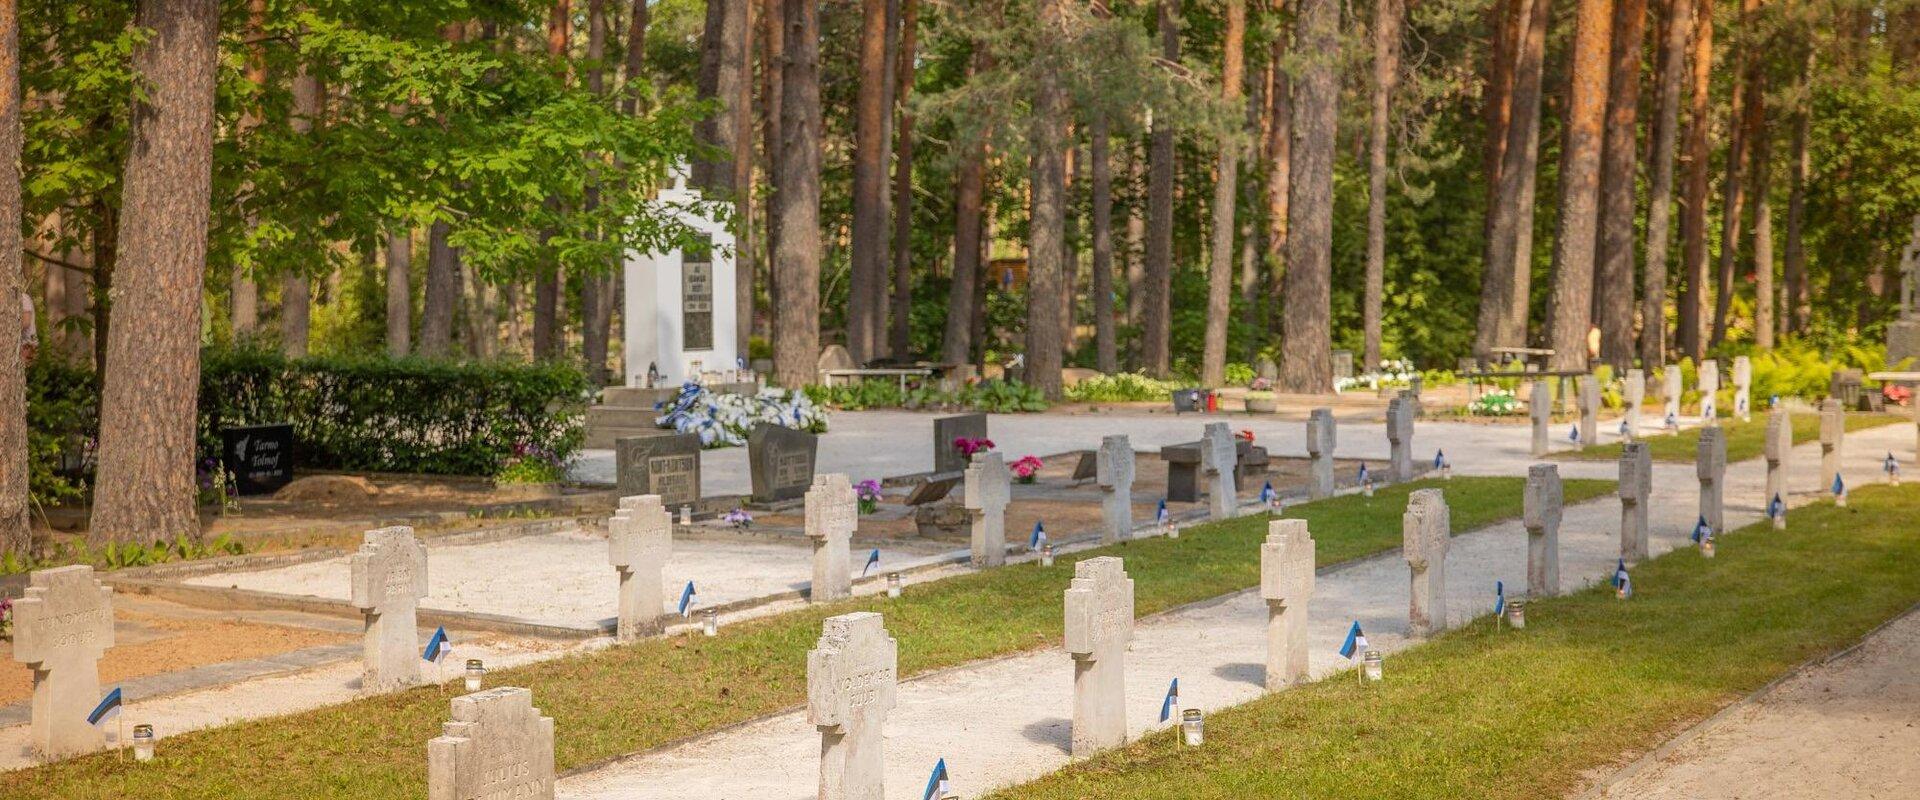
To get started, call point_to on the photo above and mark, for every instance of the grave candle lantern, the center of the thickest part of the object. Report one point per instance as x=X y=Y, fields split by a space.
x=1516 y=614
x=1370 y=665
x=710 y=622
x=1366 y=487
x=143 y=742
x=475 y=672
x=1193 y=727
x=1706 y=547
x=686 y=515
x=893 y=584
x=1046 y=555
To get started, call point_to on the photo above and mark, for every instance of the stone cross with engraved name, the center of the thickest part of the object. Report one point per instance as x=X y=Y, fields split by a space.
x=1636 y=485
x=1633 y=395
x=1400 y=436
x=988 y=492
x=833 y=514
x=1542 y=506
x=1218 y=455
x=639 y=542
x=1426 y=531
x=389 y=578
x=1778 y=452
x=497 y=746
x=62 y=625
x=1115 y=474
x=1320 y=444
x=1286 y=583
x=1710 y=464
x=852 y=675
x=1099 y=608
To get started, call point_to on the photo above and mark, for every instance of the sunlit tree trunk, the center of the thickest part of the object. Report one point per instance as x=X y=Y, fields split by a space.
x=1507 y=277
x=1666 y=124
x=796 y=265
x=867 y=280
x=399 y=254
x=1156 y=288
x=1388 y=16
x=969 y=194
x=1306 y=356
x=1693 y=217
x=901 y=330
x=1613 y=271
x=1047 y=229
x=296 y=289
x=440 y=291
x=1795 y=265
x=1213 y=362
x=244 y=294
x=1734 y=188
x=1759 y=141
x=1106 y=354
x=1570 y=309
x=1279 y=152
x=15 y=534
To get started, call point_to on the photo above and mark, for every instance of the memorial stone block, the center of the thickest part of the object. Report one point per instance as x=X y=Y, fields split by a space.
x=780 y=461
x=1286 y=583
x=1779 y=451
x=946 y=457
x=1099 y=610
x=639 y=542
x=1115 y=475
x=1670 y=390
x=1636 y=485
x=853 y=672
x=1589 y=402
x=1218 y=455
x=497 y=747
x=1710 y=464
x=1743 y=387
x=832 y=515
x=62 y=625
x=1320 y=443
x=989 y=490
x=1400 y=437
x=667 y=465
x=1833 y=435
x=1634 y=393
x=389 y=578
x=1540 y=409
x=1542 y=506
x=1426 y=532
x=1709 y=380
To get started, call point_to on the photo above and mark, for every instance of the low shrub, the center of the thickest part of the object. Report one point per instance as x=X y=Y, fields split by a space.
x=1123 y=387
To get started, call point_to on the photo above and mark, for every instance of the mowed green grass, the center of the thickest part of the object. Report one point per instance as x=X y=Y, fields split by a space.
x=639 y=696
x=1591 y=682
x=1744 y=439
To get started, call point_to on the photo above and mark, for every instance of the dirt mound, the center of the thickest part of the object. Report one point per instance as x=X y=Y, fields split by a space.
x=328 y=489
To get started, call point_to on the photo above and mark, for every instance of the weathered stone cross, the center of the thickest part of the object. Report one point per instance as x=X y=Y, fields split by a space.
x=497 y=746
x=1286 y=583
x=1218 y=455
x=1115 y=476
x=1320 y=443
x=833 y=514
x=1542 y=505
x=988 y=492
x=1710 y=465
x=639 y=542
x=1426 y=531
x=1636 y=485
x=1099 y=606
x=1400 y=436
x=852 y=673
x=62 y=626
x=1540 y=408
x=389 y=578
x=1779 y=452
x=1833 y=437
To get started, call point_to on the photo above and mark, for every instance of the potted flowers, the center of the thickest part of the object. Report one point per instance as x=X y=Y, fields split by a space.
x=1260 y=399
x=968 y=446
x=867 y=492
x=1026 y=469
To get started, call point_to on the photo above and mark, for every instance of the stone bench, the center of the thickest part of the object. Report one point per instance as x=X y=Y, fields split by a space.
x=1183 y=468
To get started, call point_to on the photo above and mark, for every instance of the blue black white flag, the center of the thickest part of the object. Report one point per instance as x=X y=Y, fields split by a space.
x=1266 y=494
x=109 y=706
x=1891 y=465
x=1774 y=509
x=938 y=783
x=1672 y=420
x=1839 y=486
x=1573 y=433
x=872 y=559
x=1170 y=705
x=1038 y=538
x=1439 y=459
x=1365 y=476
x=1356 y=642
x=437 y=646
x=1701 y=529
x=1499 y=598
x=1160 y=514
x=1620 y=577
x=687 y=599
x=1623 y=426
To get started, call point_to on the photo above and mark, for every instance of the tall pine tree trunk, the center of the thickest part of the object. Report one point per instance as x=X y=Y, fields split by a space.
x=1734 y=201
x=867 y=280
x=1507 y=278
x=1213 y=363
x=596 y=286
x=1047 y=229
x=244 y=294
x=969 y=241
x=1760 y=141
x=15 y=532
x=1279 y=156
x=1106 y=353
x=1156 y=299
x=1693 y=217
x=1570 y=311
x=1673 y=66
x=1795 y=266
x=796 y=265
x=296 y=289
x=1388 y=16
x=399 y=292
x=902 y=323
x=145 y=486
x=1507 y=19
x=440 y=292
x=1306 y=356
x=772 y=56
x=1613 y=273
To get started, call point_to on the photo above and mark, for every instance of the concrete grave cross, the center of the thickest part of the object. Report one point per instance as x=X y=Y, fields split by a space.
x=1218 y=454
x=1779 y=451
x=1589 y=402
x=1710 y=464
x=62 y=625
x=988 y=492
x=1540 y=408
x=1542 y=505
x=389 y=578
x=1099 y=608
x=1400 y=436
x=1636 y=485
x=639 y=542
x=1320 y=443
x=1634 y=394
x=1115 y=473
x=497 y=746
x=1709 y=381
x=1286 y=583
x=1426 y=532
x=852 y=675
x=1743 y=387
x=1670 y=388
x=833 y=514
x=1833 y=435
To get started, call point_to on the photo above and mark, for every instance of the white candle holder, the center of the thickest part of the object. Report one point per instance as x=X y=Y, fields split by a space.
x=1706 y=546
x=686 y=515
x=1366 y=489
x=143 y=742
x=476 y=673
x=710 y=622
x=1193 y=727
x=1516 y=614
x=893 y=584
x=1370 y=666
x=1046 y=555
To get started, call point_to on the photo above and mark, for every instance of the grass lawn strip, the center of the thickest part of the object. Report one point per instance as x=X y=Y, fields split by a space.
x=632 y=698
x=1591 y=682
x=1744 y=439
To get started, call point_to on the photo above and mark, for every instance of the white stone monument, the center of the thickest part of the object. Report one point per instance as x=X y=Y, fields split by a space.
x=1670 y=388
x=852 y=674
x=497 y=746
x=1542 y=505
x=1540 y=409
x=1426 y=531
x=639 y=542
x=680 y=303
x=1743 y=387
x=1709 y=382
x=1833 y=436
x=1099 y=605
x=1634 y=395
x=389 y=578
x=1218 y=455
x=1286 y=583
x=833 y=514
x=1320 y=443
x=1710 y=464
x=62 y=626
x=989 y=490
x=1589 y=404
x=1114 y=472
x=1400 y=436
x=1779 y=452
x=1636 y=486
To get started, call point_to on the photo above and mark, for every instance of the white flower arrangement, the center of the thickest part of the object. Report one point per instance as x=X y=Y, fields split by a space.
x=724 y=420
x=1495 y=403
x=1397 y=372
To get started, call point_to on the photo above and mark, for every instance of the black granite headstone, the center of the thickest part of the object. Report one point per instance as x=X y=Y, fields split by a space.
x=667 y=465
x=260 y=457
x=780 y=461
x=946 y=457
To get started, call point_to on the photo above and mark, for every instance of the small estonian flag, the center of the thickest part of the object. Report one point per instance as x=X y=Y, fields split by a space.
x=1171 y=703
x=937 y=783
x=1266 y=494
x=872 y=559
x=1774 y=509
x=687 y=599
x=1839 y=486
x=1740 y=404
x=1623 y=426
x=1356 y=642
x=1439 y=459
x=1364 y=475
x=437 y=646
x=1776 y=399
x=109 y=706
x=1672 y=420
x=1573 y=433
x=1620 y=578
x=1701 y=529
x=1499 y=598
x=1891 y=465
x=1038 y=538
x=1160 y=514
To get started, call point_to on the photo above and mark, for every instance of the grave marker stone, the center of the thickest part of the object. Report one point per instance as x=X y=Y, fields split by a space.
x=1589 y=402
x=1743 y=387
x=1425 y=531
x=1264 y=367
x=1218 y=455
x=1086 y=466
x=1320 y=443
x=1542 y=506
x=1709 y=381
x=946 y=457
x=832 y=516
x=852 y=675
x=1635 y=395
x=989 y=490
x=639 y=542
x=1710 y=464
x=667 y=465
x=1286 y=583
x=1540 y=408
x=62 y=625
x=260 y=457
x=1342 y=364
x=928 y=491
x=1779 y=451
x=1099 y=609
x=780 y=461
x=1636 y=485
x=1115 y=475
x=497 y=746
x=1400 y=437
x=389 y=578
x=1833 y=435
x=1670 y=389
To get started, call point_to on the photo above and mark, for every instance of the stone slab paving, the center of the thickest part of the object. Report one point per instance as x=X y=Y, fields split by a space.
x=1005 y=721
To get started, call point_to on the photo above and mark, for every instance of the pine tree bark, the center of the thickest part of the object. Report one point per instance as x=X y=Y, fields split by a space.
x=1279 y=155
x=16 y=534
x=1673 y=65
x=440 y=293
x=1156 y=299
x=244 y=294
x=1106 y=352
x=399 y=292
x=969 y=199
x=796 y=265
x=746 y=233
x=1760 y=143
x=867 y=279
x=772 y=56
x=1507 y=21
x=596 y=287
x=1213 y=363
x=1691 y=338
x=1613 y=273
x=1047 y=212
x=1795 y=266
x=1388 y=16
x=296 y=289
x=722 y=53
x=1306 y=355
x=1570 y=309
x=1734 y=200
x=1507 y=277
x=901 y=331
x=144 y=489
